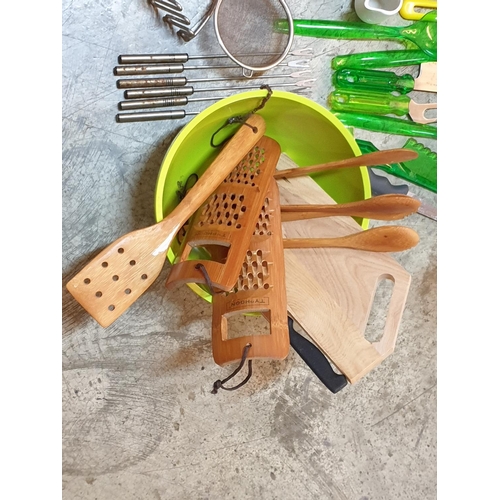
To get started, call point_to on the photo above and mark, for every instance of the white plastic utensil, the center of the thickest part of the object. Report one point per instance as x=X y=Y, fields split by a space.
x=376 y=11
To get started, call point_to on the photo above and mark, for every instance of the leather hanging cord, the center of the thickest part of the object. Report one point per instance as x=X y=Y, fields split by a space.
x=219 y=384
x=209 y=282
x=242 y=118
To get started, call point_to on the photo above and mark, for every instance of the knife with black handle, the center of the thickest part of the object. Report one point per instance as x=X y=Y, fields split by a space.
x=316 y=360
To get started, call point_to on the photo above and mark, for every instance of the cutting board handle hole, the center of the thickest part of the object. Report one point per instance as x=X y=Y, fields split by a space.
x=379 y=309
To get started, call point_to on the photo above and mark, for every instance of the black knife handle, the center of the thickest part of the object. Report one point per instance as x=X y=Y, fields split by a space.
x=316 y=360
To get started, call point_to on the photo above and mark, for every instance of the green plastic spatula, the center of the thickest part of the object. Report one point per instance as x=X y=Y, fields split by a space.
x=387 y=124
x=421 y=171
x=420 y=34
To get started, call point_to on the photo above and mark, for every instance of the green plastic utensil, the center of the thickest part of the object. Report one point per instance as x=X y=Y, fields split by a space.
x=382 y=59
x=421 y=34
x=375 y=80
x=421 y=171
x=386 y=124
x=379 y=103
x=372 y=80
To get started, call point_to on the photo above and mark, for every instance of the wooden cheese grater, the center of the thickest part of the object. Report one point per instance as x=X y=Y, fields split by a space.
x=220 y=231
x=260 y=288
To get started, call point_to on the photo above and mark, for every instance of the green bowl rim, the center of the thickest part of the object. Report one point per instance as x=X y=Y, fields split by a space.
x=186 y=130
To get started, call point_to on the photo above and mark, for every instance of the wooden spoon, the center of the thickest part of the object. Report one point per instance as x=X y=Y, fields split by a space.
x=384 y=207
x=366 y=160
x=377 y=239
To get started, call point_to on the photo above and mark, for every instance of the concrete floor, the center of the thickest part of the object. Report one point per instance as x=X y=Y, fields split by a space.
x=139 y=421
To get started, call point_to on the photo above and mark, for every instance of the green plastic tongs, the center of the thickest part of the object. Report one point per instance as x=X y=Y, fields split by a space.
x=419 y=38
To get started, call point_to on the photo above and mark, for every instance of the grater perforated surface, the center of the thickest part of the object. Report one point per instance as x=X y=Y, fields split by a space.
x=220 y=231
x=260 y=288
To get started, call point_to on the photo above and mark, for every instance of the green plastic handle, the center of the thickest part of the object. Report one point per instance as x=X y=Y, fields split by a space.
x=382 y=59
x=377 y=103
x=320 y=28
x=420 y=34
x=387 y=124
x=372 y=80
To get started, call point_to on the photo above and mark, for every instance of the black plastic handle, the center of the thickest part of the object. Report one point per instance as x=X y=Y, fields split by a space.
x=316 y=360
x=382 y=185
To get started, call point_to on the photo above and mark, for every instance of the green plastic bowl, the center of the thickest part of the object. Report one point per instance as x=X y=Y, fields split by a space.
x=307 y=132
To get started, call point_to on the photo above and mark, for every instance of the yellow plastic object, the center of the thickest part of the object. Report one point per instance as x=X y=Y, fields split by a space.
x=307 y=132
x=408 y=11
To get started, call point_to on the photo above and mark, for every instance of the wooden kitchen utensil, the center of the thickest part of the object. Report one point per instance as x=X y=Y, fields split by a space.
x=384 y=207
x=260 y=288
x=330 y=291
x=377 y=239
x=365 y=160
x=224 y=224
x=427 y=77
x=119 y=274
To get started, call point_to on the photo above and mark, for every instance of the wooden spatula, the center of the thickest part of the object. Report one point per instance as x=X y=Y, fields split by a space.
x=116 y=278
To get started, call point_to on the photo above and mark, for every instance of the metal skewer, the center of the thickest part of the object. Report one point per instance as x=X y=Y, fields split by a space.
x=159 y=69
x=180 y=81
x=182 y=57
x=176 y=114
x=162 y=102
x=189 y=90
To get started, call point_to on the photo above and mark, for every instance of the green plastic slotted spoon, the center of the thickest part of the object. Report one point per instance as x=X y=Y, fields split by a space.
x=422 y=34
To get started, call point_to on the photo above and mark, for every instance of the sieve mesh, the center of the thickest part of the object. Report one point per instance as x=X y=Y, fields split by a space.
x=244 y=29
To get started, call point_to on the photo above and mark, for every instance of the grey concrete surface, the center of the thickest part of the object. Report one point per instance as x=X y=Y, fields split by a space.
x=139 y=421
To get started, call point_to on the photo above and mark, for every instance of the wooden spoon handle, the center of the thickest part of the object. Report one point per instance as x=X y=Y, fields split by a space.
x=384 y=207
x=366 y=160
x=377 y=239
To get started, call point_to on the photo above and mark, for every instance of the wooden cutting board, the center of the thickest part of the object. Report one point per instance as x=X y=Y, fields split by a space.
x=330 y=291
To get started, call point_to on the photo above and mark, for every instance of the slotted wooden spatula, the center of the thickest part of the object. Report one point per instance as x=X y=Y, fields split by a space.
x=116 y=278
x=224 y=224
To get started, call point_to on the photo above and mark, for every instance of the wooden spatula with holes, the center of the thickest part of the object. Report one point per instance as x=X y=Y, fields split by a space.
x=117 y=277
